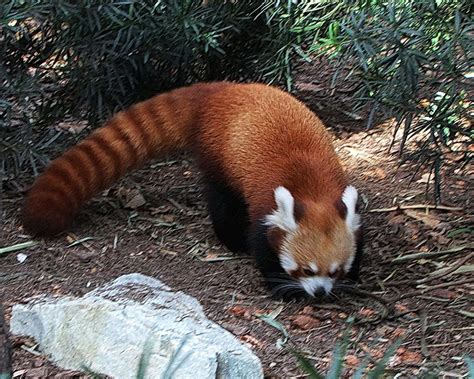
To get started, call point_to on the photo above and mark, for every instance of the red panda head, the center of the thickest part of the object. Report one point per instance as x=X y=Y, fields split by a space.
x=315 y=241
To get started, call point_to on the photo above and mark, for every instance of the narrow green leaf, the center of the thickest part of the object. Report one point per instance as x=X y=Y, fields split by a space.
x=16 y=247
x=379 y=368
x=307 y=366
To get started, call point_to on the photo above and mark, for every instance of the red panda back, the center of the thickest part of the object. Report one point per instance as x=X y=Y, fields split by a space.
x=260 y=137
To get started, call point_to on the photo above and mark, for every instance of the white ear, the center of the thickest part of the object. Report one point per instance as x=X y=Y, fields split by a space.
x=283 y=217
x=349 y=198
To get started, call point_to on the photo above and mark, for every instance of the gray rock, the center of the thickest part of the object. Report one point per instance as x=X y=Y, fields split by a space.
x=134 y=317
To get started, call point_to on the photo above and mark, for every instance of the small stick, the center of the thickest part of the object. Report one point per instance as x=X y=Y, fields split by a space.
x=448 y=271
x=416 y=206
x=428 y=289
x=408 y=257
x=424 y=329
x=177 y=205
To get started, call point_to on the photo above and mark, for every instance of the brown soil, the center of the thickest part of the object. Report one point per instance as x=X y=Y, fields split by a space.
x=170 y=238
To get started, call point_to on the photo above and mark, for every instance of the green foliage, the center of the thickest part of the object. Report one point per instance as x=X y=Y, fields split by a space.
x=338 y=360
x=98 y=55
x=412 y=61
x=336 y=370
x=87 y=59
x=470 y=365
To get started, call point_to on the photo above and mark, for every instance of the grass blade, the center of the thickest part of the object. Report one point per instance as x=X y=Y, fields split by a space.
x=18 y=246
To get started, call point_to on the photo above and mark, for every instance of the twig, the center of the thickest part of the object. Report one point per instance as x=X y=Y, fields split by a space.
x=431 y=288
x=362 y=293
x=445 y=344
x=31 y=350
x=408 y=257
x=177 y=205
x=416 y=206
x=424 y=328
x=382 y=301
x=446 y=272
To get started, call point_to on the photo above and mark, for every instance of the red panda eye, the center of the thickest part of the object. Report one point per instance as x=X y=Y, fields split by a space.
x=335 y=274
x=308 y=272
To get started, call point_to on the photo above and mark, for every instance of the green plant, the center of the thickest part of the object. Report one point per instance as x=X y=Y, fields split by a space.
x=88 y=59
x=336 y=369
x=338 y=361
x=411 y=61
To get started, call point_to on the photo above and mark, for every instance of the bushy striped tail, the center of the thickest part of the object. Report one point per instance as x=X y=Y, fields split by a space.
x=153 y=127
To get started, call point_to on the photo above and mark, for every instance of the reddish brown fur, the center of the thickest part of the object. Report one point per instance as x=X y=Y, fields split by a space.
x=252 y=136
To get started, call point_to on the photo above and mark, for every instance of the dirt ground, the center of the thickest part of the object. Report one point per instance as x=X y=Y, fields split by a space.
x=169 y=237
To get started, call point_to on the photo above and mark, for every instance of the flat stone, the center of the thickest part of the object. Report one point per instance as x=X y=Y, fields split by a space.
x=135 y=317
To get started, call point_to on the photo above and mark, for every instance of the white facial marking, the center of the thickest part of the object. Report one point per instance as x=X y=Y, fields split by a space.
x=311 y=284
x=288 y=263
x=313 y=266
x=333 y=267
x=349 y=198
x=283 y=217
x=349 y=262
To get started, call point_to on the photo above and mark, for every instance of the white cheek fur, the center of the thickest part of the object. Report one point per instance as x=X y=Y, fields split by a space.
x=349 y=262
x=333 y=267
x=349 y=198
x=287 y=262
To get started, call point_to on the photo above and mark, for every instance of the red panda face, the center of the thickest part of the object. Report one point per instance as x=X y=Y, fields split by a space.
x=318 y=247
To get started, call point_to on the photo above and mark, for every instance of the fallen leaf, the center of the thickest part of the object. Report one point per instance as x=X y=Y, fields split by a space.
x=240 y=311
x=305 y=322
x=84 y=255
x=380 y=173
x=407 y=356
x=426 y=178
x=308 y=310
x=236 y=330
x=73 y=127
x=136 y=201
x=383 y=330
x=251 y=341
x=352 y=360
x=259 y=312
x=443 y=293
x=366 y=312
x=39 y=372
x=19 y=373
x=428 y=219
x=466 y=313
x=402 y=308
x=398 y=219
x=160 y=210
x=270 y=319
x=130 y=198
x=399 y=332
x=168 y=218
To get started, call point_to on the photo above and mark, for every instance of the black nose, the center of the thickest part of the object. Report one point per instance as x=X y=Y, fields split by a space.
x=318 y=292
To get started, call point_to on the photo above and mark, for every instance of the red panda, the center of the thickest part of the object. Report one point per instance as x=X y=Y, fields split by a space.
x=273 y=182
